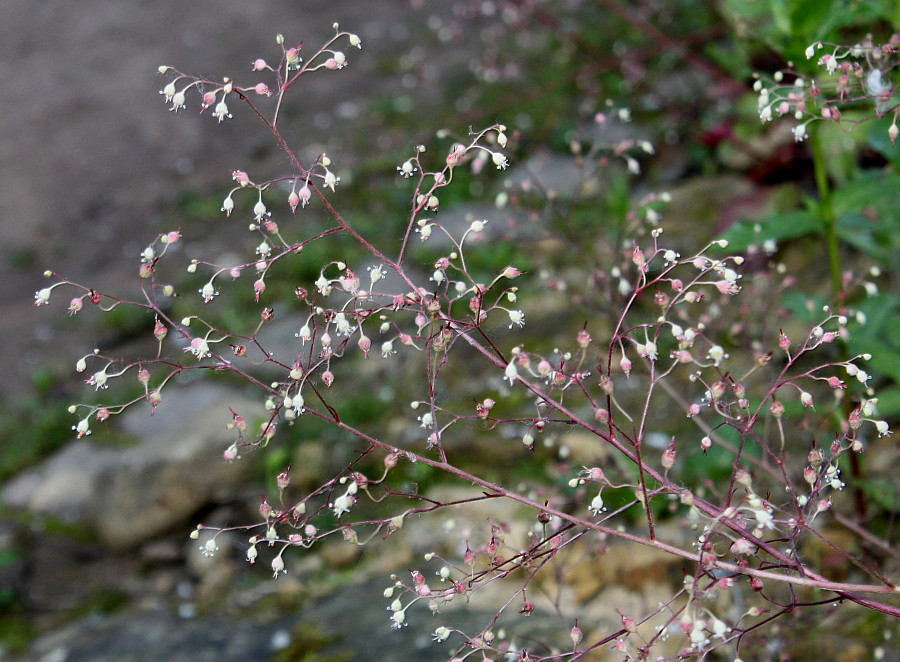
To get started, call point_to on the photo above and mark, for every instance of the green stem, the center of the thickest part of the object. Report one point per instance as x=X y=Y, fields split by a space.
x=826 y=211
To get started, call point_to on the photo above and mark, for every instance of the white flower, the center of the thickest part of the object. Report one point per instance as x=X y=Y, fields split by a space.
x=398 y=619
x=259 y=210
x=41 y=297
x=198 y=347
x=764 y=517
x=342 y=324
x=516 y=317
x=716 y=353
x=799 y=132
x=407 y=169
x=82 y=428
x=441 y=634
x=330 y=180
x=98 y=379
x=221 y=111
x=511 y=373
x=597 y=506
x=168 y=91
x=208 y=292
x=342 y=504
x=177 y=101
x=323 y=285
x=648 y=350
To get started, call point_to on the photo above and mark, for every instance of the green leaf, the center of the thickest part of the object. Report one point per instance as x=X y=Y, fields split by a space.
x=782 y=226
x=881 y=491
x=781 y=16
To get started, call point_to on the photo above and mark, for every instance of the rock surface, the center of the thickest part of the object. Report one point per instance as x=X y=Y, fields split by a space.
x=128 y=495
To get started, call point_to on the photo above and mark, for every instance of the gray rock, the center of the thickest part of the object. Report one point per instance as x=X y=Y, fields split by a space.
x=128 y=495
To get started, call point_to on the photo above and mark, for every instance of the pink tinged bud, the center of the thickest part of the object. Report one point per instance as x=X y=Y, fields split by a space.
x=893 y=132
x=265 y=510
x=143 y=376
x=677 y=285
x=258 y=288
x=575 y=635
x=668 y=456
x=511 y=272
x=75 y=305
x=102 y=414
x=262 y=89
x=583 y=338
x=259 y=64
x=835 y=382
x=240 y=177
x=682 y=356
x=469 y=556
x=293 y=200
x=776 y=409
x=625 y=364
x=209 y=98
x=783 y=342
x=637 y=256
x=809 y=475
x=806 y=399
x=283 y=479
x=278 y=566
x=328 y=377
x=601 y=415
x=365 y=344
x=693 y=410
x=146 y=270
x=705 y=443
x=742 y=546
x=606 y=384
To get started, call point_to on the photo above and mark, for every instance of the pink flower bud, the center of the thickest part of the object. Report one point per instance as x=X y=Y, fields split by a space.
x=855 y=419
x=783 y=342
x=365 y=344
x=583 y=338
x=668 y=456
x=575 y=635
x=262 y=89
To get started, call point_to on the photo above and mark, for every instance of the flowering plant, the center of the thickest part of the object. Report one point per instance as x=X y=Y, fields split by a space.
x=668 y=351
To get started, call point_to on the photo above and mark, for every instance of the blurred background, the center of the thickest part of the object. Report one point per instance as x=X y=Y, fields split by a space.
x=94 y=556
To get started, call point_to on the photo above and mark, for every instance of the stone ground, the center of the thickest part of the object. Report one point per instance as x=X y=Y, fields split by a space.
x=89 y=156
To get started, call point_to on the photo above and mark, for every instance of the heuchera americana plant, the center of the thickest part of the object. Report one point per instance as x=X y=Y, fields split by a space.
x=745 y=534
